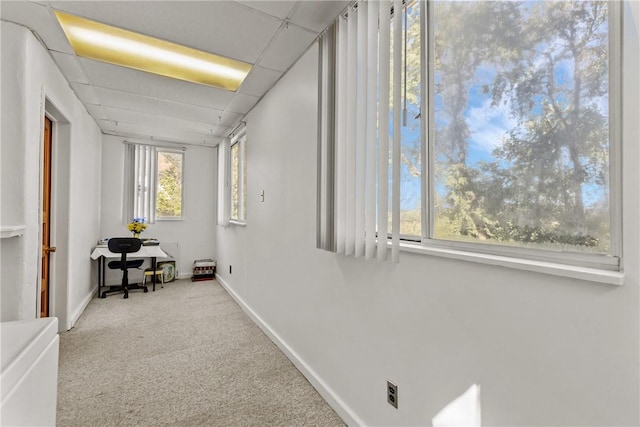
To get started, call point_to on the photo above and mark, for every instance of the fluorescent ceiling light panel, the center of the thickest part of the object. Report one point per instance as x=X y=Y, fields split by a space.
x=114 y=45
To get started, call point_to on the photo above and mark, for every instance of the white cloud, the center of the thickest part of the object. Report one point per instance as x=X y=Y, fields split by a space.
x=488 y=125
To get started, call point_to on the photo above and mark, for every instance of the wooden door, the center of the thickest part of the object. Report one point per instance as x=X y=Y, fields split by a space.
x=46 y=219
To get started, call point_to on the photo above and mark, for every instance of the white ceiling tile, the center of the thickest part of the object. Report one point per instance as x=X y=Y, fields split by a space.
x=151 y=132
x=242 y=103
x=259 y=81
x=97 y=112
x=70 y=67
x=134 y=117
x=86 y=93
x=228 y=118
x=279 y=9
x=221 y=27
x=286 y=47
x=96 y=10
x=146 y=84
x=161 y=107
x=317 y=15
x=40 y=19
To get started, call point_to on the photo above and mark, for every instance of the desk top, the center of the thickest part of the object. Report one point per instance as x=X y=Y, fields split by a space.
x=144 y=252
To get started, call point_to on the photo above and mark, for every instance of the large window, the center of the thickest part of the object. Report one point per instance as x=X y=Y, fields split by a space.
x=153 y=183
x=514 y=147
x=238 y=178
x=520 y=124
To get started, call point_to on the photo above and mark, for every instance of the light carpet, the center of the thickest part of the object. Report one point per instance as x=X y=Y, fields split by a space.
x=184 y=355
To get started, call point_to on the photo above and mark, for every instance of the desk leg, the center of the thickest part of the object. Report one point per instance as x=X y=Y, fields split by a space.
x=153 y=278
x=101 y=262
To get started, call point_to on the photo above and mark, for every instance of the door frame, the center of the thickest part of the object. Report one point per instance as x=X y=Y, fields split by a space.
x=59 y=210
x=47 y=169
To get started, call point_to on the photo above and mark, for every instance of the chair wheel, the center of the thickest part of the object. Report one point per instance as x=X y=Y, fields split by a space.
x=146 y=290
x=126 y=296
x=104 y=295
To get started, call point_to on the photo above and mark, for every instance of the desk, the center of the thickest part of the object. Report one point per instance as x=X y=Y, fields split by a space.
x=102 y=252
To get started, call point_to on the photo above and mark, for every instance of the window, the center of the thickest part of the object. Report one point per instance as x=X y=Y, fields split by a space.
x=514 y=147
x=520 y=125
x=154 y=183
x=169 y=184
x=238 y=178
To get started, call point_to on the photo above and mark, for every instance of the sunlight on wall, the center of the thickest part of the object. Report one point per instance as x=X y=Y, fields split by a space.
x=465 y=410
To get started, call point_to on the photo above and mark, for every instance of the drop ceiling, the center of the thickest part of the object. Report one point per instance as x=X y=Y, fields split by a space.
x=271 y=35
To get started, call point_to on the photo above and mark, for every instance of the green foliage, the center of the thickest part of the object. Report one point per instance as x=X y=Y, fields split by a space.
x=169 y=192
x=235 y=181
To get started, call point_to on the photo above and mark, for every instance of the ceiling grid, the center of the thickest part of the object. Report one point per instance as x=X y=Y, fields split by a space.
x=270 y=35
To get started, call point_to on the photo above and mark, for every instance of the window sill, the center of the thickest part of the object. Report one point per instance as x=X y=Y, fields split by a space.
x=588 y=274
x=236 y=222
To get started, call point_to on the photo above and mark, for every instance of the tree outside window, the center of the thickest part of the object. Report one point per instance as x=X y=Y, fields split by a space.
x=238 y=179
x=169 y=184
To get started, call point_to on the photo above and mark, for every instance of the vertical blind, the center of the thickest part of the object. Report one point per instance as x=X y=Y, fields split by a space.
x=355 y=148
x=224 y=189
x=139 y=182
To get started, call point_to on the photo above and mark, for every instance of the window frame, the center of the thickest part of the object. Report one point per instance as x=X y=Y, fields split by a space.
x=240 y=140
x=610 y=262
x=160 y=149
x=144 y=206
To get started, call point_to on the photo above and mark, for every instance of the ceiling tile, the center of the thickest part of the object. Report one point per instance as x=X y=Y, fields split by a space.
x=286 y=47
x=86 y=93
x=317 y=15
x=220 y=27
x=151 y=132
x=40 y=19
x=279 y=9
x=242 y=103
x=133 y=117
x=70 y=67
x=229 y=118
x=259 y=81
x=161 y=107
x=97 y=112
x=146 y=84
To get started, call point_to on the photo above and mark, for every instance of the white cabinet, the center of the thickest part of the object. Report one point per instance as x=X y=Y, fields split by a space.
x=29 y=376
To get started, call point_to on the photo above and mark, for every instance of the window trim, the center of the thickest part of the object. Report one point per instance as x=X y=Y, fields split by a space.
x=559 y=269
x=182 y=186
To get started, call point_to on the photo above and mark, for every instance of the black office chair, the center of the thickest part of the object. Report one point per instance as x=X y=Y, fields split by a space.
x=124 y=246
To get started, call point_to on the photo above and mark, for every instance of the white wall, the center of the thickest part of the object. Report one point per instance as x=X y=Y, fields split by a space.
x=195 y=234
x=29 y=77
x=543 y=350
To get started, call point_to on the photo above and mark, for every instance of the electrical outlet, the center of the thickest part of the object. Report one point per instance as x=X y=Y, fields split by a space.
x=229 y=269
x=392 y=394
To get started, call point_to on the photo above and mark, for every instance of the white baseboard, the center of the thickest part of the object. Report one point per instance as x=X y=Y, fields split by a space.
x=183 y=276
x=78 y=311
x=325 y=391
